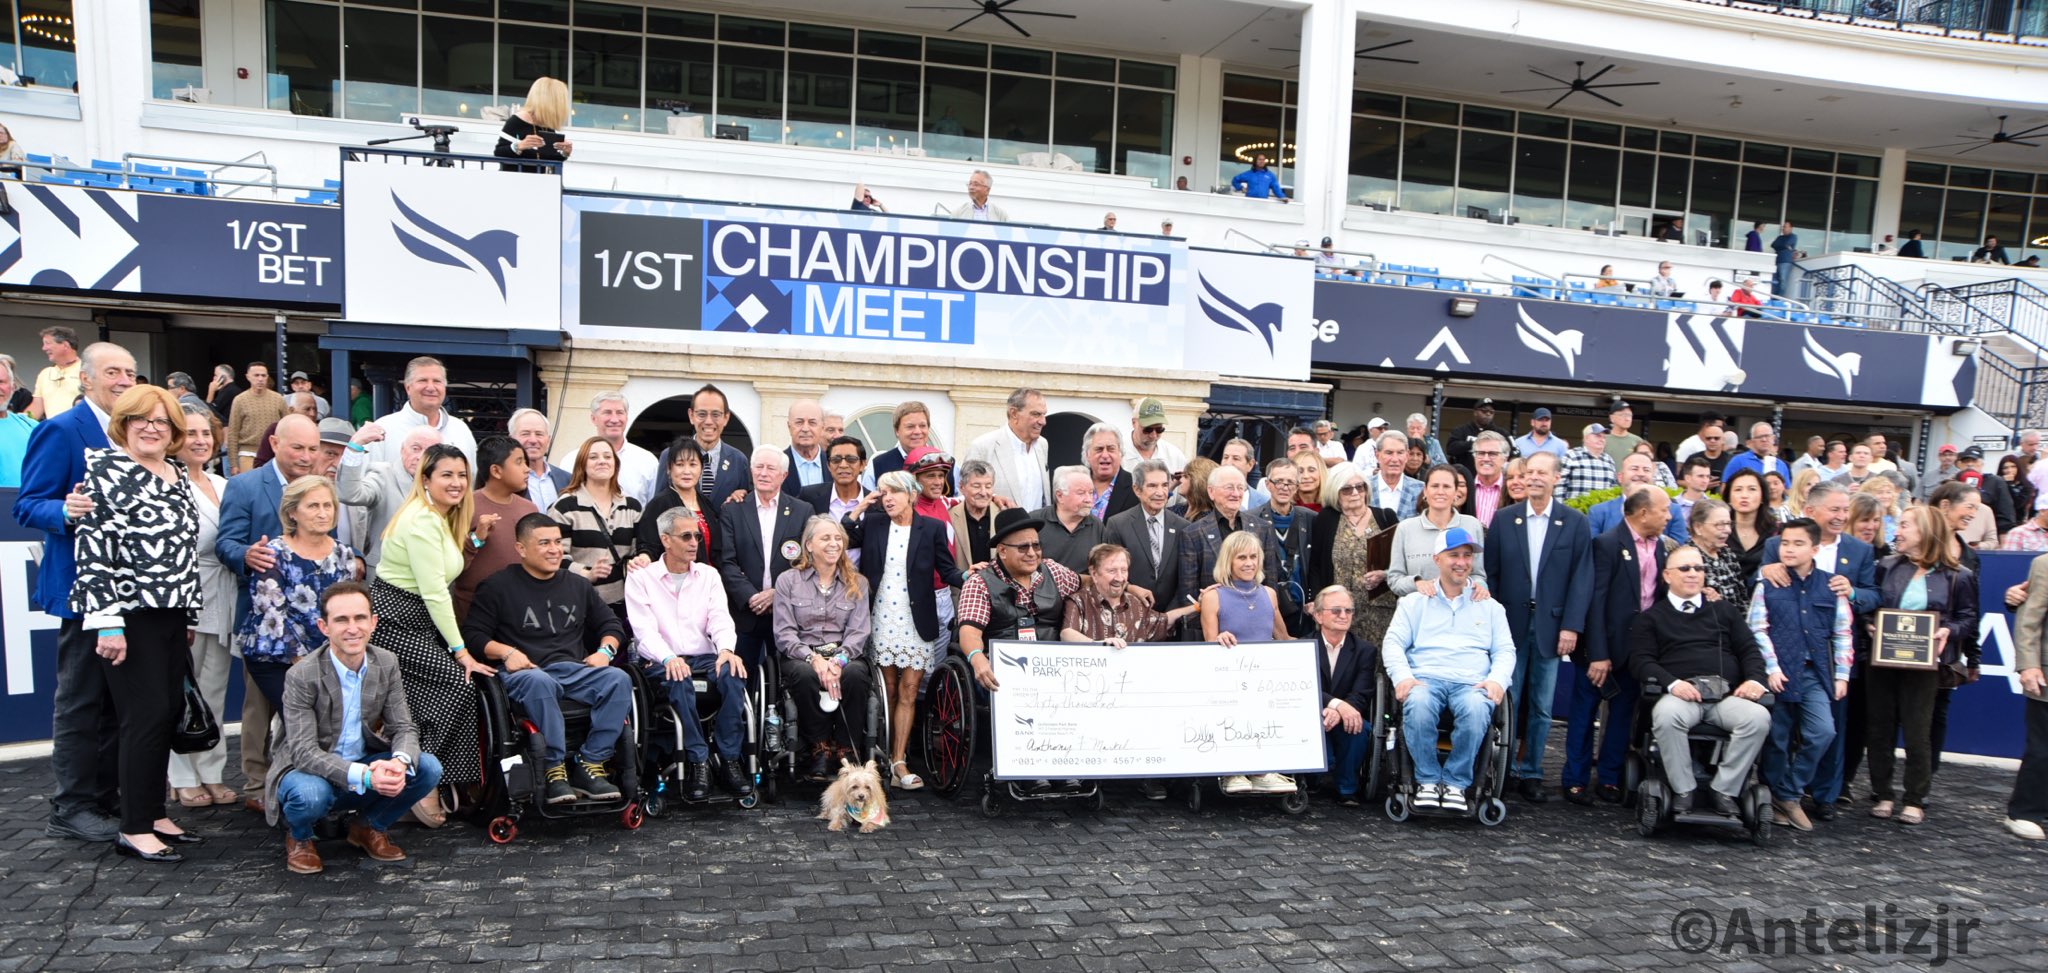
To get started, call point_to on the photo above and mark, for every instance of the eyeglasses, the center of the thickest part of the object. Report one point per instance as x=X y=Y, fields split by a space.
x=1689 y=568
x=1030 y=548
x=1334 y=610
x=1352 y=488
x=702 y=415
x=152 y=423
x=843 y=460
x=1488 y=452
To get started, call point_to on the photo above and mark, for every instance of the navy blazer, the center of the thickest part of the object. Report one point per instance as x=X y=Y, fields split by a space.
x=53 y=463
x=1121 y=496
x=929 y=552
x=1355 y=677
x=1562 y=593
x=793 y=485
x=729 y=471
x=248 y=513
x=1853 y=560
x=1617 y=593
x=739 y=553
x=1127 y=530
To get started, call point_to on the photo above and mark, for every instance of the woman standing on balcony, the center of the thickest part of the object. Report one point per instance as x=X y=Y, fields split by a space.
x=534 y=131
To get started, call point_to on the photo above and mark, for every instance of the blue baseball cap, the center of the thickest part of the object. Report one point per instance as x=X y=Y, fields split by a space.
x=1456 y=537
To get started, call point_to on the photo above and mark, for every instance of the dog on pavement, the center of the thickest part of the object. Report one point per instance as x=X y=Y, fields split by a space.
x=856 y=796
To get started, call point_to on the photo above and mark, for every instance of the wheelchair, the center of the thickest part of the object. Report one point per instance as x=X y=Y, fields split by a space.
x=782 y=749
x=947 y=731
x=662 y=756
x=1391 y=771
x=1645 y=769
x=513 y=757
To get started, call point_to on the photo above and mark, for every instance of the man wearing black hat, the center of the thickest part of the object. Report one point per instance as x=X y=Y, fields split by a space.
x=1327 y=261
x=1997 y=496
x=1019 y=596
x=1458 y=445
x=1620 y=441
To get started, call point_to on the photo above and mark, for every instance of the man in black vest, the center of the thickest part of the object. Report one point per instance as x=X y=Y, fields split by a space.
x=1020 y=596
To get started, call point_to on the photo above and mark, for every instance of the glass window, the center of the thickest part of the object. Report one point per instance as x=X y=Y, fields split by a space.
x=749 y=92
x=1374 y=103
x=1084 y=67
x=1497 y=119
x=1539 y=181
x=1713 y=202
x=747 y=30
x=604 y=81
x=1426 y=110
x=2037 y=225
x=1962 y=223
x=2007 y=220
x=1640 y=138
x=1084 y=123
x=885 y=110
x=525 y=55
x=608 y=16
x=1247 y=129
x=303 y=45
x=954 y=108
x=173 y=47
x=1018 y=120
x=1146 y=75
x=1144 y=135
x=1712 y=148
x=1252 y=89
x=1763 y=196
x=1674 y=174
x=1813 y=160
x=1969 y=178
x=941 y=50
x=1757 y=153
x=2011 y=182
x=875 y=43
x=1375 y=162
x=1429 y=163
x=472 y=8
x=1638 y=179
x=811 y=37
x=1486 y=164
x=1920 y=209
x=455 y=66
x=1548 y=126
x=820 y=100
x=1806 y=207
x=1020 y=59
x=676 y=23
x=1674 y=142
x=1595 y=179
x=679 y=81
x=553 y=12
x=1849 y=224
x=1856 y=165
x=1600 y=133
x=1927 y=172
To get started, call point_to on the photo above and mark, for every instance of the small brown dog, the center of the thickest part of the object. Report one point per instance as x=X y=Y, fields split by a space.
x=856 y=796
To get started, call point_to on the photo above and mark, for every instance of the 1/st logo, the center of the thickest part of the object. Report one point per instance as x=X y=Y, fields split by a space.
x=276 y=246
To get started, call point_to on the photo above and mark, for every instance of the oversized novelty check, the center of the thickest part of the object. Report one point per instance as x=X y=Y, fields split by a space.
x=1176 y=709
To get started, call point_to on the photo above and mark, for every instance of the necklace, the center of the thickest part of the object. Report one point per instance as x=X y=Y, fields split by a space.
x=1250 y=595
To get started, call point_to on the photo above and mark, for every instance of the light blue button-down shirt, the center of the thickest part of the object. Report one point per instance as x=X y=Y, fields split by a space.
x=1450 y=639
x=349 y=746
x=809 y=472
x=540 y=488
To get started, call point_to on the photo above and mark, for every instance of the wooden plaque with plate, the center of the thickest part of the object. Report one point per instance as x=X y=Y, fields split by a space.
x=1905 y=640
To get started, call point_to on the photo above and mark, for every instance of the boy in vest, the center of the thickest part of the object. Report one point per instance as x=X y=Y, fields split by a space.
x=1803 y=630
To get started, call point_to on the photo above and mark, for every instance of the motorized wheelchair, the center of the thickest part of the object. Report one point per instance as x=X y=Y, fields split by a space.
x=513 y=758
x=948 y=723
x=1644 y=772
x=1391 y=771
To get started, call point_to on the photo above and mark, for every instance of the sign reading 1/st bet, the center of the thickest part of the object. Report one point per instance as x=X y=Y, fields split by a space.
x=280 y=258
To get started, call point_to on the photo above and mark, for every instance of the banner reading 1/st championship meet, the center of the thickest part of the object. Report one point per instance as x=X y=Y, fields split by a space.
x=1085 y=710
x=830 y=282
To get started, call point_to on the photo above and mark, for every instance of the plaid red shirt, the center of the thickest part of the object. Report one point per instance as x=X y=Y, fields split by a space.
x=974 y=594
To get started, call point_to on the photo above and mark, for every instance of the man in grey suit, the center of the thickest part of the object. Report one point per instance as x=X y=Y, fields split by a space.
x=375 y=489
x=1016 y=453
x=1152 y=534
x=372 y=766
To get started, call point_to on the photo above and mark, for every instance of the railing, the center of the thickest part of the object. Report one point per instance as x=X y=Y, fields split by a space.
x=1853 y=292
x=213 y=174
x=2013 y=394
x=2006 y=21
x=2010 y=305
x=130 y=174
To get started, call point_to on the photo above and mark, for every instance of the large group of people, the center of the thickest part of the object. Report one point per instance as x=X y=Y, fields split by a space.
x=367 y=573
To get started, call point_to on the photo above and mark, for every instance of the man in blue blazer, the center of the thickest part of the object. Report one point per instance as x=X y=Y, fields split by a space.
x=1540 y=561
x=1636 y=468
x=1854 y=565
x=83 y=751
x=248 y=521
x=1628 y=574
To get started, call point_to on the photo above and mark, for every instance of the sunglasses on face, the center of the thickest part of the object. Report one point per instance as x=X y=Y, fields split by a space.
x=1031 y=548
x=1689 y=568
x=844 y=460
x=687 y=537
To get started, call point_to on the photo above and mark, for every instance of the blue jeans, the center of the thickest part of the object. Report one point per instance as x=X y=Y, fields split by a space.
x=607 y=691
x=1346 y=752
x=1536 y=684
x=1828 y=777
x=1470 y=712
x=1614 y=742
x=305 y=798
x=1811 y=707
x=682 y=694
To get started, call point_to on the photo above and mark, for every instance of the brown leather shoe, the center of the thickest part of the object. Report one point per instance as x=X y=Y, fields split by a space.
x=375 y=844
x=252 y=804
x=302 y=857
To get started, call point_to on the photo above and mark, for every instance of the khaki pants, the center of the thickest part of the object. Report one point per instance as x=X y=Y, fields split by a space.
x=256 y=716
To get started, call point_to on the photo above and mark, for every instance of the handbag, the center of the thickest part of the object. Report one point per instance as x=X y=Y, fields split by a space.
x=198 y=730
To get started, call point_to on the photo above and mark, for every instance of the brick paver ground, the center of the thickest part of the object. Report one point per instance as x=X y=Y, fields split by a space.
x=1139 y=886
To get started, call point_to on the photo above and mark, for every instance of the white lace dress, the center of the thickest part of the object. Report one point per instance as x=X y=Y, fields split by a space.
x=896 y=642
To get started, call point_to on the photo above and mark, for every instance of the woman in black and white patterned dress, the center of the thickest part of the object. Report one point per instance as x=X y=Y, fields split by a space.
x=138 y=586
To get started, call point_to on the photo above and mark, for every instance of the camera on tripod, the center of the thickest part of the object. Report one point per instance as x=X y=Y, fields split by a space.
x=439 y=133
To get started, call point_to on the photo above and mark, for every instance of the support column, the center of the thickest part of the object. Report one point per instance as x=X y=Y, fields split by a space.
x=112 y=43
x=1891 y=195
x=1322 y=133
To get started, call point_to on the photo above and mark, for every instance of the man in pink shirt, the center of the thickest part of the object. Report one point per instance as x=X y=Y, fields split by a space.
x=684 y=632
x=1489 y=455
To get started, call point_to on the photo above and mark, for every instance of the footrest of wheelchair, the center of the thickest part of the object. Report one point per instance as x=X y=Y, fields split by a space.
x=1709 y=819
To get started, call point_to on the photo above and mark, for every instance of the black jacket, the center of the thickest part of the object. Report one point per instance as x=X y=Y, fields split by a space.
x=1355 y=678
x=928 y=552
x=1952 y=593
x=1127 y=530
x=1322 y=538
x=1617 y=591
x=739 y=554
x=1666 y=645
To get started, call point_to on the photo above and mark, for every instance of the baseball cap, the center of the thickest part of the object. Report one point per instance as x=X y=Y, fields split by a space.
x=1596 y=429
x=1151 y=411
x=1540 y=414
x=335 y=430
x=1376 y=423
x=1947 y=448
x=1456 y=537
x=1974 y=452
x=1617 y=405
x=299 y=375
x=1326 y=241
x=1483 y=404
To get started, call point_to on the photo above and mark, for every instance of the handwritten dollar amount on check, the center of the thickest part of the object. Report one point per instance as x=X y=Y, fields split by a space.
x=1162 y=710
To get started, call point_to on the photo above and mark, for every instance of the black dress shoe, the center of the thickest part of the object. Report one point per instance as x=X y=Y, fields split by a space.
x=1610 y=793
x=1682 y=803
x=696 y=782
x=181 y=838
x=737 y=781
x=1532 y=791
x=1579 y=794
x=83 y=824
x=1723 y=804
x=1826 y=811
x=821 y=767
x=164 y=857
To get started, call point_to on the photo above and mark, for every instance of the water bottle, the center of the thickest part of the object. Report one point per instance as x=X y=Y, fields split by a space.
x=772 y=736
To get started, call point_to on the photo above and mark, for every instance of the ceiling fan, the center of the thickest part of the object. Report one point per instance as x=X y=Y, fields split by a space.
x=999 y=9
x=2000 y=137
x=1364 y=53
x=1580 y=84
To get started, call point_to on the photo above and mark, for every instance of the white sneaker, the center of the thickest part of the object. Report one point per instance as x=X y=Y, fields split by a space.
x=1237 y=784
x=1273 y=784
x=2029 y=830
x=1429 y=795
x=1454 y=799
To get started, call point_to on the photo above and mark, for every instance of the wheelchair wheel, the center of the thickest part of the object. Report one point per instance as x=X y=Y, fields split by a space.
x=1398 y=808
x=1631 y=777
x=502 y=830
x=990 y=806
x=1492 y=812
x=949 y=726
x=655 y=804
x=1296 y=802
x=1760 y=832
x=751 y=801
x=1649 y=809
x=1101 y=800
x=632 y=817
